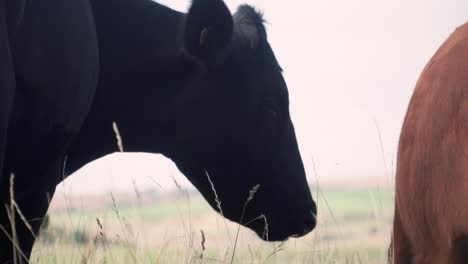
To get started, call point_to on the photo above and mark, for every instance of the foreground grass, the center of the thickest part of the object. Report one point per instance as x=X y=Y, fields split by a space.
x=353 y=227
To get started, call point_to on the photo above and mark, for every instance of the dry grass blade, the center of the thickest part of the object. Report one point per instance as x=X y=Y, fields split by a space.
x=381 y=145
x=86 y=257
x=15 y=242
x=11 y=216
x=317 y=206
x=276 y=250
x=118 y=137
x=325 y=200
x=252 y=193
x=23 y=218
x=203 y=240
x=157 y=183
x=202 y=243
x=252 y=258
x=25 y=221
x=18 y=255
x=123 y=227
x=265 y=231
x=383 y=156
x=218 y=204
x=190 y=233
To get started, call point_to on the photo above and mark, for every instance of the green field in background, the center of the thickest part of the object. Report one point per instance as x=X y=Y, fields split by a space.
x=353 y=227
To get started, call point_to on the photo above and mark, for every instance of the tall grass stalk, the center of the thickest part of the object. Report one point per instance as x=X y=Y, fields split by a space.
x=251 y=196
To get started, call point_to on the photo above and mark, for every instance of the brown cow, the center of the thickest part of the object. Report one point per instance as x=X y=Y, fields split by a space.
x=431 y=204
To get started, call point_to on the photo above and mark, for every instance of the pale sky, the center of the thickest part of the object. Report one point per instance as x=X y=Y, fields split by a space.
x=350 y=66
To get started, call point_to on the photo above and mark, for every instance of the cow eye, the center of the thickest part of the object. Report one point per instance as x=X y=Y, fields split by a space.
x=270 y=108
x=273 y=113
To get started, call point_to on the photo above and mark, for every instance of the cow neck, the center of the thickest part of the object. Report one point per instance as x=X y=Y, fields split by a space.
x=142 y=69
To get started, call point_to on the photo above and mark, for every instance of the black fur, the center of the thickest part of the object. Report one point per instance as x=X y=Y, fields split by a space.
x=203 y=89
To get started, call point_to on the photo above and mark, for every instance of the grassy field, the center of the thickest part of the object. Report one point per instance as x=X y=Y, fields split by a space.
x=353 y=227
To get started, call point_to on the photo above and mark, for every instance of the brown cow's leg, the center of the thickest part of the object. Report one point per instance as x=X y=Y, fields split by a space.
x=460 y=250
x=439 y=255
x=442 y=256
x=400 y=249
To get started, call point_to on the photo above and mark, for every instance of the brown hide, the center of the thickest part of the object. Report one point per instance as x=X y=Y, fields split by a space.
x=431 y=210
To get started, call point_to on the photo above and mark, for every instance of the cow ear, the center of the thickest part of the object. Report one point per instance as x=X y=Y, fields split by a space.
x=208 y=30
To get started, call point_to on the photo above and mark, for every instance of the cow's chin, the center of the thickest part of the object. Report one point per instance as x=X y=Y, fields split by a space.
x=267 y=228
x=266 y=233
x=274 y=231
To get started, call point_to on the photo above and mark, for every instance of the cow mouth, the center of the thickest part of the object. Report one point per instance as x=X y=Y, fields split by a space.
x=273 y=232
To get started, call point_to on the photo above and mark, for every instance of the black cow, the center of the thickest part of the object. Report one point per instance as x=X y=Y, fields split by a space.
x=202 y=88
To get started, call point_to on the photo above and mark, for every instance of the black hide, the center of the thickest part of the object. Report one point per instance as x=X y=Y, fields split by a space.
x=203 y=89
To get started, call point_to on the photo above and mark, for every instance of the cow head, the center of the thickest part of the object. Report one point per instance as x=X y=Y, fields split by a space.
x=234 y=136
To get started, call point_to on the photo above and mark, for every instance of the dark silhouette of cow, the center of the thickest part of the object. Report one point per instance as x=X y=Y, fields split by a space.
x=431 y=210
x=202 y=88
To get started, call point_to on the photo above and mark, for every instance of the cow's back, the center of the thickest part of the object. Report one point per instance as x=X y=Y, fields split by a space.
x=432 y=173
